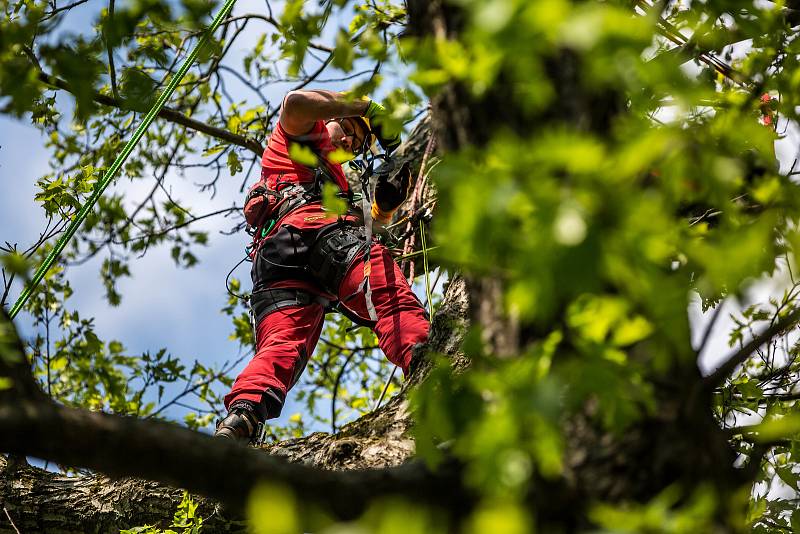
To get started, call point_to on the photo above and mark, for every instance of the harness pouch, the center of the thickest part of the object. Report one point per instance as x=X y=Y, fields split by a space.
x=283 y=256
x=258 y=205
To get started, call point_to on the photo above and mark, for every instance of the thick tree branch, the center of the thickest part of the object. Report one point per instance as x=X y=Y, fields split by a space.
x=169 y=114
x=224 y=471
x=741 y=355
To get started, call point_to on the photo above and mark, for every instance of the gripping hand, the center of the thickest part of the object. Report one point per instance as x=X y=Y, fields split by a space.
x=375 y=113
x=392 y=189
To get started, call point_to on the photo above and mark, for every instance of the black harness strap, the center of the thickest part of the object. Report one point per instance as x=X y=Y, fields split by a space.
x=266 y=301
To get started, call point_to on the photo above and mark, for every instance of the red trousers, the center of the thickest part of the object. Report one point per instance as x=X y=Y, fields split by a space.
x=286 y=338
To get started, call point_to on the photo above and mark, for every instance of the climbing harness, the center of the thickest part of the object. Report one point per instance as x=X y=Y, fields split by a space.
x=119 y=161
x=326 y=261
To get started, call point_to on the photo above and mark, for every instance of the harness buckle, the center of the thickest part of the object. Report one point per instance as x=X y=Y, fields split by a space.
x=260 y=435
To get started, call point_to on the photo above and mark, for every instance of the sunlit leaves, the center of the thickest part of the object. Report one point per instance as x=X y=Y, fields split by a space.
x=65 y=194
x=603 y=230
x=597 y=228
x=302 y=154
x=185 y=519
x=15 y=263
x=234 y=163
x=500 y=518
x=272 y=510
x=606 y=319
x=331 y=201
x=301 y=27
x=343 y=54
x=667 y=513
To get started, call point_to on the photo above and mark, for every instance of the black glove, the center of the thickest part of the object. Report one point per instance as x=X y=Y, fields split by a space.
x=391 y=190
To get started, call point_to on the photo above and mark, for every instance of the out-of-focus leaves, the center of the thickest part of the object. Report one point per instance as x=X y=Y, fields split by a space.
x=303 y=155
x=272 y=509
x=137 y=89
x=331 y=201
x=662 y=514
x=78 y=64
x=501 y=518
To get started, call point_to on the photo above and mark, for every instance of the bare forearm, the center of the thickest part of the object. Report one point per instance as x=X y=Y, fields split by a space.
x=302 y=108
x=320 y=105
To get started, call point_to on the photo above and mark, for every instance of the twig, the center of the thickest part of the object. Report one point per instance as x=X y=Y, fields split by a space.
x=10 y=520
x=112 y=74
x=190 y=387
x=167 y=113
x=385 y=389
x=743 y=353
x=316 y=73
x=178 y=226
x=51 y=14
x=338 y=381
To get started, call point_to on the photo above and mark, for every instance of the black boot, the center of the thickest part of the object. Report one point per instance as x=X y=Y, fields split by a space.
x=239 y=425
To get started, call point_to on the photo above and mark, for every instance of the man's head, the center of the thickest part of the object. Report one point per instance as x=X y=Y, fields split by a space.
x=351 y=134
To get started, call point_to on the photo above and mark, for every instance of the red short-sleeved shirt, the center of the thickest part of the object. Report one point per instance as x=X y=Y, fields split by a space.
x=278 y=169
x=276 y=164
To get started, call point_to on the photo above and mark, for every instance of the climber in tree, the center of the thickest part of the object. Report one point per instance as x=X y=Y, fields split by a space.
x=307 y=260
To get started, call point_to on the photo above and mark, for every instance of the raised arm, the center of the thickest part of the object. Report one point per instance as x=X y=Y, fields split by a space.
x=301 y=109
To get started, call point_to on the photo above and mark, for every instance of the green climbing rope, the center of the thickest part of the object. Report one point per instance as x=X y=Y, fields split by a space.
x=112 y=171
x=425 y=265
x=416 y=253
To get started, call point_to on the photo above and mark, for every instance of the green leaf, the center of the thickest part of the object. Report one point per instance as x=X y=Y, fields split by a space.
x=795 y=521
x=16 y=263
x=331 y=201
x=302 y=154
x=137 y=89
x=234 y=163
x=344 y=53
x=779 y=427
x=272 y=510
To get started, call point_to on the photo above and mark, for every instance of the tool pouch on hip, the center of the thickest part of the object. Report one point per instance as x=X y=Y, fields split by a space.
x=258 y=205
